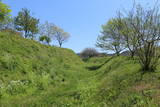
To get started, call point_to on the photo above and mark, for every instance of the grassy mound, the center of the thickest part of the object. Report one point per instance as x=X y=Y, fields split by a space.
x=35 y=75
x=122 y=84
x=28 y=68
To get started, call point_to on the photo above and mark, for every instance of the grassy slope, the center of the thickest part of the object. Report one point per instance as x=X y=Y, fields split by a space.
x=28 y=68
x=121 y=83
x=32 y=74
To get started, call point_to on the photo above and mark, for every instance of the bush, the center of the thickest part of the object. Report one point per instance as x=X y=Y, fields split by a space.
x=88 y=53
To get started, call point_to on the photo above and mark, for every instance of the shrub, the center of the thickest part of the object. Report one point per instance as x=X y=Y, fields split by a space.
x=88 y=53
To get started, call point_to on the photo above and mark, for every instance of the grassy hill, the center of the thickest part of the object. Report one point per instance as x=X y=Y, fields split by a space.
x=32 y=74
x=123 y=85
x=28 y=68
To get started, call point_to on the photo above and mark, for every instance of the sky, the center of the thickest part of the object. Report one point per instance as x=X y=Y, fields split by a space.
x=81 y=18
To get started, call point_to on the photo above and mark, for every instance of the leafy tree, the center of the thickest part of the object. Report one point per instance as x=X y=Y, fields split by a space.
x=111 y=38
x=45 y=39
x=4 y=11
x=25 y=22
x=127 y=32
x=60 y=35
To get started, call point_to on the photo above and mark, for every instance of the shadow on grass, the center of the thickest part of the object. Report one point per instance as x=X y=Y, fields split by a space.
x=92 y=68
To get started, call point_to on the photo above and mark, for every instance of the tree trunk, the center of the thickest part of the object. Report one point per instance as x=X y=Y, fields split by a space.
x=25 y=34
x=117 y=53
x=60 y=45
x=132 y=54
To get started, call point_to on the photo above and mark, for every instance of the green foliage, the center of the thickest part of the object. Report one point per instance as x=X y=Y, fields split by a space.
x=45 y=38
x=9 y=62
x=25 y=22
x=4 y=11
x=110 y=38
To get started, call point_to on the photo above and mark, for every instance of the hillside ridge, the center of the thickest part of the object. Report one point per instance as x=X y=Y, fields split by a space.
x=32 y=74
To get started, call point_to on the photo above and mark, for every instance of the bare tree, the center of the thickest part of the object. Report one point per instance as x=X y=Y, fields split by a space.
x=88 y=53
x=46 y=32
x=128 y=34
x=145 y=24
x=60 y=35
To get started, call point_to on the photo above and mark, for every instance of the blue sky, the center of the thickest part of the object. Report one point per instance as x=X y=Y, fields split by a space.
x=81 y=18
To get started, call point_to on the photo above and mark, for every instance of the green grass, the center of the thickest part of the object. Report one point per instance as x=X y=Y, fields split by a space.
x=36 y=75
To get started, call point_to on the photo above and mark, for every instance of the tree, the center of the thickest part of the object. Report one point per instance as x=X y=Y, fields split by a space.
x=88 y=53
x=127 y=32
x=60 y=35
x=46 y=31
x=145 y=24
x=45 y=39
x=4 y=11
x=111 y=38
x=25 y=22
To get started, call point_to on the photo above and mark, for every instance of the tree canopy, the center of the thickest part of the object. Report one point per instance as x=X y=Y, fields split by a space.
x=25 y=22
x=45 y=39
x=110 y=38
x=4 y=11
